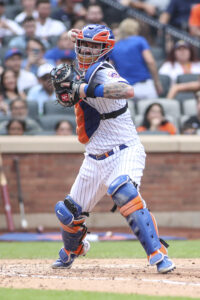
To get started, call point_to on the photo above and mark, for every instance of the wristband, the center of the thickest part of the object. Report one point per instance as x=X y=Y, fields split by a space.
x=93 y=92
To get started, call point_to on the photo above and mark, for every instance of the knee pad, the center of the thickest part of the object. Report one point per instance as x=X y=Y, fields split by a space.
x=125 y=195
x=131 y=206
x=67 y=210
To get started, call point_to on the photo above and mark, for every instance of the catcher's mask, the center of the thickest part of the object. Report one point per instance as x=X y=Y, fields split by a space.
x=93 y=44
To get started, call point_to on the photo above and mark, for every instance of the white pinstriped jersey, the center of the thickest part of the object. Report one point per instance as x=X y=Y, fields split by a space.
x=95 y=176
x=115 y=131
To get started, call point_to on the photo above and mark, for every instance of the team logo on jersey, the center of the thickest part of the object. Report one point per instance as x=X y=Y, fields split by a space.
x=113 y=74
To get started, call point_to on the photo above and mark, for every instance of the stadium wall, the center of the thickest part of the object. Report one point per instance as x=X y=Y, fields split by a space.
x=49 y=165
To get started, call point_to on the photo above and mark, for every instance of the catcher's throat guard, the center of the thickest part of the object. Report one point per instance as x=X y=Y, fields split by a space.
x=64 y=73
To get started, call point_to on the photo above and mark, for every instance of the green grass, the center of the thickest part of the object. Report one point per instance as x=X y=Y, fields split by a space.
x=49 y=250
x=16 y=294
x=122 y=249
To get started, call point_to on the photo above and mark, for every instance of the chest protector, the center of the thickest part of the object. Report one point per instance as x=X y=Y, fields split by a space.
x=87 y=117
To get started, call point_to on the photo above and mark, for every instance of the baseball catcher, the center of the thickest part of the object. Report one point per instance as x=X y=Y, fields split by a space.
x=114 y=156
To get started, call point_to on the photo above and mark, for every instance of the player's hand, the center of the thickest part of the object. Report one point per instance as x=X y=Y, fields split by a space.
x=72 y=34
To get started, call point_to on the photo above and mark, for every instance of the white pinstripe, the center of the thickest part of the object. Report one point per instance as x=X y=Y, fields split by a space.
x=95 y=176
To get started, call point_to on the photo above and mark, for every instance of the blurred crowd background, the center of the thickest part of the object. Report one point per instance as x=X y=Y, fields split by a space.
x=157 y=50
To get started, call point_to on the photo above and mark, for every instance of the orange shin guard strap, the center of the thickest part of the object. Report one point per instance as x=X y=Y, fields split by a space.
x=131 y=206
x=73 y=228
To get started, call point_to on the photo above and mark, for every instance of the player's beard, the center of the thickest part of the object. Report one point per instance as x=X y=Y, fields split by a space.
x=85 y=61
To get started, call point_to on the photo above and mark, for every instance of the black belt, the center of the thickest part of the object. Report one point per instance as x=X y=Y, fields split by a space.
x=107 y=154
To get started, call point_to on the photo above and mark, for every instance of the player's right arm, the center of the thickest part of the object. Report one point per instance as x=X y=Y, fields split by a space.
x=116 y=90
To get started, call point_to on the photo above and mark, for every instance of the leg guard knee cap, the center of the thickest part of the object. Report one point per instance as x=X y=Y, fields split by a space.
x=67 y=210
x=122 y=190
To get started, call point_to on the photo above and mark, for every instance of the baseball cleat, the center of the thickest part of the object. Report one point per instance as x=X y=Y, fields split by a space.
x=165 y=266
x=65 y=260
x=59 y=264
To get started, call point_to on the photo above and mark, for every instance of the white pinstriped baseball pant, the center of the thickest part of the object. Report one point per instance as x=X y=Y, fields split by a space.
x=95 y=176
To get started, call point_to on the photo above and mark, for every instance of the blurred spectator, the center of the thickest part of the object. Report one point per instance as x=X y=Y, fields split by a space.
x=79 y=23
x=177 y=13
x=44 y=91
x=194 y=21
x=15 y=127
x=4 y=108
x=64 y=128
x=65 y=57
x=13 y=61
x=94 y=15
x=7 y=26
x=46 y=26
x=20 y=42
x=9 y=86
x=155 y=121
x=35 y=56
x=28 y=10
x=63 y=44
x=151 y=7
x=181 y=60
x=68 y=11
x=192 y=125
x=188 y=129
x=134 y=61
x=192 y=86
x=19 y=111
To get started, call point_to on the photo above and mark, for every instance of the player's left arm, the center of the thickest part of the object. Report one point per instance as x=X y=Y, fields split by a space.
x=114 y=90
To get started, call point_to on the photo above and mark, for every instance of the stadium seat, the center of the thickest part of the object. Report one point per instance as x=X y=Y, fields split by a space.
x=48 y=122
x=131 y=106
x=157 y=52
x=190 y=107
x=33 y=109
x=182 y=120
x=187 y=78
x=53 y=108
x=171 y=106
x=183 y=96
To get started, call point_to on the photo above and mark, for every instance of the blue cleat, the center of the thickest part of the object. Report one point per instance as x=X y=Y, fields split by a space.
x=59 y=264
x=66 y=258
x=165 y=266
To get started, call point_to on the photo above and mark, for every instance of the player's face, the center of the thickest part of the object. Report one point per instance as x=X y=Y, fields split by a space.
x=88 y=53
x=90 y=48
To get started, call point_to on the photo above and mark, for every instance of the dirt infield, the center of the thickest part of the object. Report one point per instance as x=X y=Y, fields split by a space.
x=104 y=275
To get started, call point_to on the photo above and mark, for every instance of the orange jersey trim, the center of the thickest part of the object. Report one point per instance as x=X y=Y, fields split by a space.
x=80 y=121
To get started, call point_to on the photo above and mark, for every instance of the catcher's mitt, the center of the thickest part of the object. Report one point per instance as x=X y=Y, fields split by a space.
x=64 y=73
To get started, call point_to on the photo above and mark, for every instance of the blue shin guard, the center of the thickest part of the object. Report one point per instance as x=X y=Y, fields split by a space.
x=73 y=231
x=125 y=195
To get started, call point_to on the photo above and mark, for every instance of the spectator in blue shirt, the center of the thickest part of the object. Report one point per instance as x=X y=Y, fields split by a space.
x=44 y=91
x=134 y=61
x=177 y=13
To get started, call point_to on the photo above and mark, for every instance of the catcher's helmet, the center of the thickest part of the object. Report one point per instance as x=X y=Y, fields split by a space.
x=93 y=44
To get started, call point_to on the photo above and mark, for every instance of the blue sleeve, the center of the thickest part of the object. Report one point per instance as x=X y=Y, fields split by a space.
x=144 y=45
